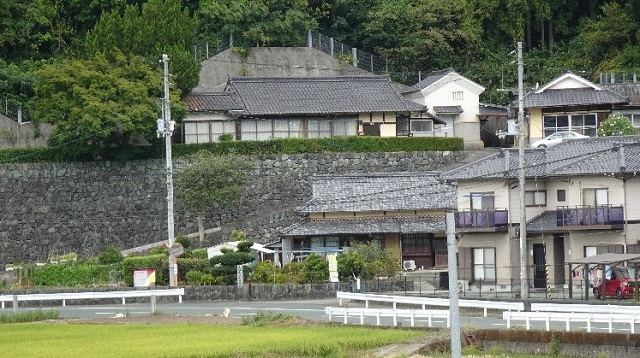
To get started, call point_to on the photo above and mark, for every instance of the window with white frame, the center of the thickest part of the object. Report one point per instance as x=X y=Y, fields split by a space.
x=458 y=95
x=535 y=198
x=482 y=201
x=634 y=118
x=207 y=131
x=595 y=197
x=484 y=264
x=581 y=123
x=287 y=128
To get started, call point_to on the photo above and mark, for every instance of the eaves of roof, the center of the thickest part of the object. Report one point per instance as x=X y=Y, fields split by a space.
x=364 y=226
x=573 y=97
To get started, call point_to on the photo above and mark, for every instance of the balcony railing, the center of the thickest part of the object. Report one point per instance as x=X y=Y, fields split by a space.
x=482 y=219
x=589 y=216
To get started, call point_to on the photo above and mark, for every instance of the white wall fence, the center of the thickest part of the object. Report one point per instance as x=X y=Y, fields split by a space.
x=361 y=313
x=16 y=299
x=428 y=301
x=571 y=317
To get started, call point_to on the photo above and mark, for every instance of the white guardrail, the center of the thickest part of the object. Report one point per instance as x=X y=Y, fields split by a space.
x=361 y=313
x=571 y=317
x=427 y=301
x=90 y=295
x=584 y=308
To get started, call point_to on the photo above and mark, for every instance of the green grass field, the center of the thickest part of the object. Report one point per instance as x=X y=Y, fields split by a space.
x=45 y=339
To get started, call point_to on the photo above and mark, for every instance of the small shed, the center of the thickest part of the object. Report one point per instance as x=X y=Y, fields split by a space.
x=600 y=261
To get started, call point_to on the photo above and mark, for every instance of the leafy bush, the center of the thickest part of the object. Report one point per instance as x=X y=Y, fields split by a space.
x=71 y=275
x=159 y=250
x=267 y=272
x=315 y=268
x=110 y=255
x=616 y=125
x=184 y=241
x=194 y=277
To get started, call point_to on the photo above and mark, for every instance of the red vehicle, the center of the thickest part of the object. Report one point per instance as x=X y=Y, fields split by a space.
x=619 y=283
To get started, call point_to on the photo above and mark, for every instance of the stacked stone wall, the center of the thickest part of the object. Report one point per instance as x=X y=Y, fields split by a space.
x=49 y=209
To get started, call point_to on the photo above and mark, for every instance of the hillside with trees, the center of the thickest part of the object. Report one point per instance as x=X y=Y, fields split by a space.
x=49 y=49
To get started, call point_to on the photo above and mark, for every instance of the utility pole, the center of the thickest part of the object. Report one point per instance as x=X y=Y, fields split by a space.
x=524 y=287
x=454 y=305
x=165 y=128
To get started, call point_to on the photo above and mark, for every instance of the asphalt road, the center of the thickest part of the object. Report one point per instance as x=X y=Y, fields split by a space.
x=311 y=309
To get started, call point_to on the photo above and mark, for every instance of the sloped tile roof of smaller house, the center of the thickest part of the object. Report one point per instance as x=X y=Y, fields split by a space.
x=319 y=95
x=355 y=226
x=589 y=156
x=631 y=90
x=572 y=97
x=447 y=109
x=212 y=101
x=432 y=78
x=379 y=192
x=503 y=164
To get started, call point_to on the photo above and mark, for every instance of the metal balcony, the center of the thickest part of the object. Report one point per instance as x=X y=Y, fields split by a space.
x=482 y=219
x=590 y=216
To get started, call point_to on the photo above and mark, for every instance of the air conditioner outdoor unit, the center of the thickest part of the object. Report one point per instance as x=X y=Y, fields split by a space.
x=463 y=285
x=409 y=265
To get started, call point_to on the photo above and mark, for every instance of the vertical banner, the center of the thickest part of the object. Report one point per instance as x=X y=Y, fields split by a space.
x=333 y=267
x=240 y=276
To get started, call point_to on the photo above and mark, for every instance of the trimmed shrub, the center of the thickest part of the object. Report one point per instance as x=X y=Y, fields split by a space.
x=160 y=263
x=71 y=275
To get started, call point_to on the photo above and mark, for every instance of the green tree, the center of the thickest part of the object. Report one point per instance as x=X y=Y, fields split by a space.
x=158 y=27
x=616 y=125
x=315 y=268
x=350 y=265
x=258 y=23
x=211 y=182
x=102 y=108
x=377 y=262
x=225 y=265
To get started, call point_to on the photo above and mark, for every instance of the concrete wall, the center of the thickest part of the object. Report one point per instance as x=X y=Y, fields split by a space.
x=55 y=208
x=21 y=135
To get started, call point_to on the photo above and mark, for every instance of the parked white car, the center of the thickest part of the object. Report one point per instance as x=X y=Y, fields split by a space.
x=556 y=138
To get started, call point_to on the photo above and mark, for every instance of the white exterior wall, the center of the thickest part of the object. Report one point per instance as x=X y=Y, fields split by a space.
x=498 y=241
x=497 y=187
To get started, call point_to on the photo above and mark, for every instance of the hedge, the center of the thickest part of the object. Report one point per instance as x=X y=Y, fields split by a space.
x=354 y=144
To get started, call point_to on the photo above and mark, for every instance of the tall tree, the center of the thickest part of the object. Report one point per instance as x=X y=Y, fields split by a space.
x=99 y=106
x=258 y=22
x=211 y=182
x=160 y=26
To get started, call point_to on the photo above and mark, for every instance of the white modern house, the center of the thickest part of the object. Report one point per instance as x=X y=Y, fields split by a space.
x=455 y=100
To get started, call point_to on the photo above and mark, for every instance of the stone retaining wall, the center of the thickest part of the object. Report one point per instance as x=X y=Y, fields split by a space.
x=49 y=209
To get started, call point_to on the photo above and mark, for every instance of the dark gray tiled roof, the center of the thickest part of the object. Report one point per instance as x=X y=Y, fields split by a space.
x=576 y=157
x=319 y=95
x=503 y=164
x=379 y=192
x=572 y=97
x=544 y=222
x=630 y=90
x=214 y=101
x=447 y=109
x=407 y=225
x=432 y=78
